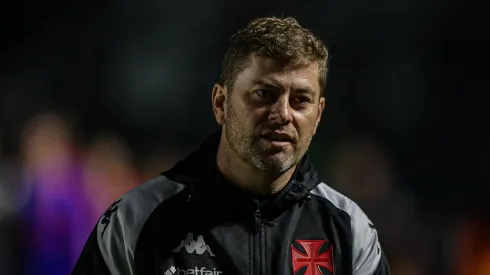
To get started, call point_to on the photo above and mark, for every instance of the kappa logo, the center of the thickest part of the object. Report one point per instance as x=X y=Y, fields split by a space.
x=312 y=259
x=106 y=217
x=194 y=246
x=196 y=271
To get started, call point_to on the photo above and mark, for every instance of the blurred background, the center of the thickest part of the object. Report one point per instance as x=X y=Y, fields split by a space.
x=96 y=98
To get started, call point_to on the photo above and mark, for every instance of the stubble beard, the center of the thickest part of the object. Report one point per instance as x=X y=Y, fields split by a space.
x=245 y=145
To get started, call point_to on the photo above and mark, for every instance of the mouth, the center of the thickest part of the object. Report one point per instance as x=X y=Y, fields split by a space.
x=278 y=138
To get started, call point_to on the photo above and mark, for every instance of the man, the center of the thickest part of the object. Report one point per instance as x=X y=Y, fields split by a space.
x=248 y=201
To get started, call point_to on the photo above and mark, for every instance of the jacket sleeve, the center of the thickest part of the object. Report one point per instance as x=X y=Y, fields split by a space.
x=91 y=260
x=368 y=256
x=383 y=268
x=106 y=251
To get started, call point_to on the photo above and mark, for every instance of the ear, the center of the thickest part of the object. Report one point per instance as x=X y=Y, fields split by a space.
x=321 y=106
x=218 y=99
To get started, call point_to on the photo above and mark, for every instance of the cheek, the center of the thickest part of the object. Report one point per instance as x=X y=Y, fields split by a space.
x=305 y=125
x=240 y=118
x=253 y=116
x=248 y=115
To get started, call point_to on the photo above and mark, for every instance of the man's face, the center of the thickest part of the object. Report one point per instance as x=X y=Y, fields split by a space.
x=272 y=113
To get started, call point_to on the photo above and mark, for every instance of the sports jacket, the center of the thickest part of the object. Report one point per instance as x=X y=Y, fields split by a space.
x=189 y=220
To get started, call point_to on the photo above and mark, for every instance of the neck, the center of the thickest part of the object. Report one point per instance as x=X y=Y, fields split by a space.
x=246 y=176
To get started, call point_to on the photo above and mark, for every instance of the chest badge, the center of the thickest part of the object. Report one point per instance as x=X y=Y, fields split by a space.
x=315 y=258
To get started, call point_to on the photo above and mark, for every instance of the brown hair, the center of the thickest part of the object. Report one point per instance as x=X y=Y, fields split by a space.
x=278 y=38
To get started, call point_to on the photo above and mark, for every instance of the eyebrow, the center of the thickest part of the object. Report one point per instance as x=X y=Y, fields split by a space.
x=267 y=82
x=271 y=83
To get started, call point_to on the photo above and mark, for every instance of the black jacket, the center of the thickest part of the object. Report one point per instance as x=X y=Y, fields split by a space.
x=190 y=221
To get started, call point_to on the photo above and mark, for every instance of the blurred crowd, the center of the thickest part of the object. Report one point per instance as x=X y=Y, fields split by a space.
x=53 y=192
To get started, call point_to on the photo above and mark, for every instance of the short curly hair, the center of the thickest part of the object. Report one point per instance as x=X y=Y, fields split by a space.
x=277 y=38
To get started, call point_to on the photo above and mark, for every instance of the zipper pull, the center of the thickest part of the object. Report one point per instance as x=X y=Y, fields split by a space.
x=257 y=216
x=258 y=221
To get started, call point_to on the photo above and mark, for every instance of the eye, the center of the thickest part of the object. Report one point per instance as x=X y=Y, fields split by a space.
x=263 y=93
x=303 y=100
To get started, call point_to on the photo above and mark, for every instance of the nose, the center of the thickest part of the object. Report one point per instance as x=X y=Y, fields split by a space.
x=280 y=111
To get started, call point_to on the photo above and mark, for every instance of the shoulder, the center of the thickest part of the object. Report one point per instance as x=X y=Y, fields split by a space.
x=119 y=227
x=366 y=249
x=132 y=209
x=341 y=202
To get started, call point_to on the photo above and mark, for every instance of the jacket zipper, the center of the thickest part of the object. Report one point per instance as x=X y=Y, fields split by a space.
x=258 y=221
x=259 y=247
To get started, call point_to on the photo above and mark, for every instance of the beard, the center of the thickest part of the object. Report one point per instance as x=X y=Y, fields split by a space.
x=246 y=144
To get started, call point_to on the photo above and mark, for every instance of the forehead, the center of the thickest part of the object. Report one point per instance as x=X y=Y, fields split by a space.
x=279 y=73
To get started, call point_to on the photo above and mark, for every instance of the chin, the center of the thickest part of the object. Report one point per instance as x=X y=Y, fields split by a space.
x=274 y=163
